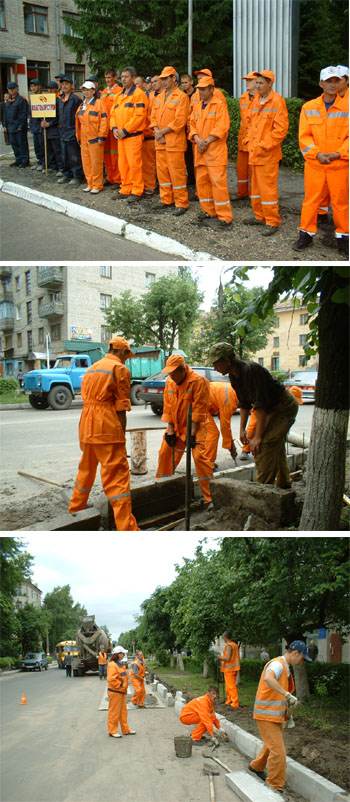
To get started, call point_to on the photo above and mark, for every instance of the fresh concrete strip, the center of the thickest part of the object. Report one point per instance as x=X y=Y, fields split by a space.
x=249 y=789
x=106 y=222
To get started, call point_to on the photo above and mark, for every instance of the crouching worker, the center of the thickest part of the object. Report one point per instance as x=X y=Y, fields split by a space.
x=137 y=676
x=105 y=392
x=117 y=681
x=200 y=711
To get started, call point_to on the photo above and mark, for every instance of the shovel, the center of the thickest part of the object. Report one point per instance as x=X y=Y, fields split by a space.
x=207 y=769
x=206 y=754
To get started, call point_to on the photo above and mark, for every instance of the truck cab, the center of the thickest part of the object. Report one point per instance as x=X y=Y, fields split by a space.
x=56 y=387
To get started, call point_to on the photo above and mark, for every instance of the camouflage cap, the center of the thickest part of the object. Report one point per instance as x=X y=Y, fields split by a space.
x=220 y=351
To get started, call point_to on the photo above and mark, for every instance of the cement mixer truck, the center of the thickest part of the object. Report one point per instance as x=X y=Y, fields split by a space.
x=90 y=640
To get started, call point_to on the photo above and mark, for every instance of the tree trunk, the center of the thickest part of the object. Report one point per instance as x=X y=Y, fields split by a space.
x=172 y=661
x=301 y=683
x=180 y=661
x=205 y=669
x=326 y=460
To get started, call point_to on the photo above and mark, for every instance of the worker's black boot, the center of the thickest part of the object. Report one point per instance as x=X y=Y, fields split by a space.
x=303 y=241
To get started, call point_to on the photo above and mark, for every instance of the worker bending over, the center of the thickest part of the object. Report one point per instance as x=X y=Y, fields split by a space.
x=223 y=402
x=200 y=711
x=230 y=667
x=251 y=428
x=137 y=676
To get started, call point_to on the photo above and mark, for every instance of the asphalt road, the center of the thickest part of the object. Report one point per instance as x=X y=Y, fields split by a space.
x=56 y=747
x=30 y=232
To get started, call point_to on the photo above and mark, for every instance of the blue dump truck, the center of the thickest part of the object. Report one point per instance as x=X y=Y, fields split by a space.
x=56 y=387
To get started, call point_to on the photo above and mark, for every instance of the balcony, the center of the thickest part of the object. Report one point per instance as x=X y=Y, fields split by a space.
x=52 y=310
x=6 y=296
x=50 y=277
x=7 y=323
x=5 y=272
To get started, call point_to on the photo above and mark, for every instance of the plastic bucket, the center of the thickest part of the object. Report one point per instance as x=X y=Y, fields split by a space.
x=183 y=746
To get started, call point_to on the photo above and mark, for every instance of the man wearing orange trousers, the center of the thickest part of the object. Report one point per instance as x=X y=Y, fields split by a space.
x=343 y=91
x=242 y=167
x=109 y=95
x=105 y=392
x=137 y=676
x=91 y=125
x=209 y=127
x=251 y=428
x=273 y=699
x=230 y=667
x=324 y=143
x=223 y=401
x=128 y=121
x=117 y=687
x=149 y=152
x=170 y=111
x=201 y=711
x=267 y=128
x=184 y=386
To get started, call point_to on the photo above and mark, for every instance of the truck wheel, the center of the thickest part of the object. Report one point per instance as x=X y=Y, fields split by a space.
x=156 y=410
x=60 y=397
x=75 y=672
x=135 y=395
x=38 y=401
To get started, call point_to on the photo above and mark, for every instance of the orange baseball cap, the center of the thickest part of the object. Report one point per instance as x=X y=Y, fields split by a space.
x=174 y=361
x=265 y=74
x=167 y=71
x=121 y=344
x=205 y=72
x=206 y=82
x=249 y=76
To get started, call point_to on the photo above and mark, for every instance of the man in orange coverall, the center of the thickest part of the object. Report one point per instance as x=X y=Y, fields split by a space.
x=91 y=126
x=223 y=401
x=109 y=95
x=184 y=386
x=200 y=711
x=102 y=663
x=323 y=209
x=274 y=697
x=117 y=687
x=209 y=127
x=267 y=120
x=230 y=667
x=105 y=392
x=127 y=121
x=242 y=167
x=250 y=431
x=170 y=111
x=137 y=676
x=324 y=143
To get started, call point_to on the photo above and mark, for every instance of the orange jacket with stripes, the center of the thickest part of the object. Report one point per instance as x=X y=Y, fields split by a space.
x=109 y=96
x=105 y=391
x=204 y=708
x=117 y=677
x=194 y=389
x=325 y=131
x=141 y=665
x=102 y=658
x=212 y=120
x=171 y=112
x=267 y=128
x=270 y=705
x=244 y=105
x=129 y=112
x=223 y=401
x=95 y=118
x=233 y=664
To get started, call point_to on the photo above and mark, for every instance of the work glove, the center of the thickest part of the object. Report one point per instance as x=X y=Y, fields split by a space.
x=170 y=439
x=193 y=441
x=214 y=741
x=221 y=735
x=292 y=700
x=233 y=450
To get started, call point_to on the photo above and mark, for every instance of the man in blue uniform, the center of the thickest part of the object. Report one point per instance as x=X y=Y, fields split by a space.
x=15 y=122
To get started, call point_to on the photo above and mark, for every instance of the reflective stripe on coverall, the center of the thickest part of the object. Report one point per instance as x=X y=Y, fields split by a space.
x=111 y=144
x=117 y=680
x=137 y=675
x=105 y=391
x=195 y=389
x=267 y=128
x=171 y=112
x=250 y=431
x=322 y=131
x=91 y=125
x=200 y=711
x=223 y=401
x=129 y=115
x=211 y=166
x=270 y=712
x=149 y=149
x=242 y=168
x=230 y=671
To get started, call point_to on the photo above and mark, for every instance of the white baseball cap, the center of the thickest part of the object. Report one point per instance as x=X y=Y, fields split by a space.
x=343 y=70
x=329 y=72
x=88 y=85
x=118 y=650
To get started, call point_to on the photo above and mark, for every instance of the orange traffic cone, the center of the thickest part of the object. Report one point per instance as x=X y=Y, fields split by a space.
x=23 y=700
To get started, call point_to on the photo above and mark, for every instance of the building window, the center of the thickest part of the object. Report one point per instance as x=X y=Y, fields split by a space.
x=277 y=323
x=105 y=301
x=39 y=70
x=276 y=342
x=67 y=28
x=76 y=72
x=302 y=339
x=40 y=336
x=150 y=279
x=30 y=340
x=8 y=342
x=303 y=360
x=105 y=272
x=36 y=19
x=55 y=331
x=275 y=363
x=261 y=361
x=18 y=283
x=18 y=312
x=303 y=319
x=29 y=312
x=2 y=15
x=19 y=340
x=106 y=334
x=28 y=283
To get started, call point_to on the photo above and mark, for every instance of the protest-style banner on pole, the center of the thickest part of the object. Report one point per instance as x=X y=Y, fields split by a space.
x=43 y=105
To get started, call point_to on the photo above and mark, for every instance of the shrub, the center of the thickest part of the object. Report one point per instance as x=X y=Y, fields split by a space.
x=251 y=669
x=8 y=385
x=7 y=663
x=331 y=679
x=162 y=657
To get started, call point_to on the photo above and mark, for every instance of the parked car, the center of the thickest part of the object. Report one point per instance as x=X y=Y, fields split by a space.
x=306 y=380
x=152 y=389
x=35 y=661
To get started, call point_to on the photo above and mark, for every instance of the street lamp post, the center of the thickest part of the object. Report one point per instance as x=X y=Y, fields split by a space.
x=190 y=30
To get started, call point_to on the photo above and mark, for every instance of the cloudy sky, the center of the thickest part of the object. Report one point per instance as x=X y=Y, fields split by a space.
x=209 y=279
x=109 y=573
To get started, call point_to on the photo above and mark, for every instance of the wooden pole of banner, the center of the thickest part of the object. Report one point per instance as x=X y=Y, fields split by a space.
x=45 y=148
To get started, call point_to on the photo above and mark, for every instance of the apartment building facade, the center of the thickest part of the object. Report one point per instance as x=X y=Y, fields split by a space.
x=285 y=347
x=31 y=44
x=27 y=593
x=66 y=303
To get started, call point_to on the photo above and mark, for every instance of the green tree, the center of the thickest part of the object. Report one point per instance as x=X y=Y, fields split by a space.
x=33 y=624
x=323 y=21
x=155 y=622
x=15 y=566
x=64 y=614
x=127 y=639
x=106 y=630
